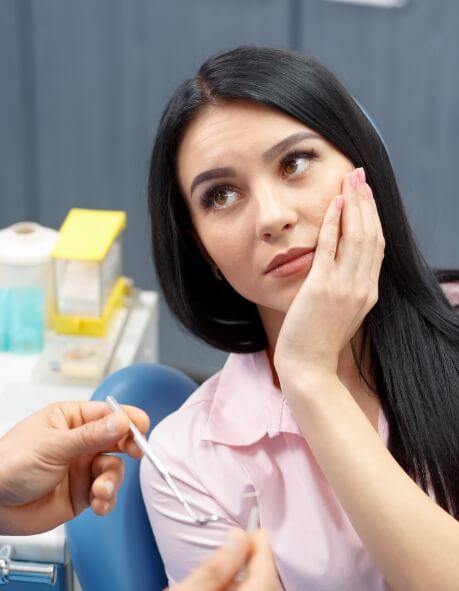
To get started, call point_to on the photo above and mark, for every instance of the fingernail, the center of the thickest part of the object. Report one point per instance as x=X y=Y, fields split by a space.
x=106 y=507
x=114 y=422
x=361 y=175
x=110 y=487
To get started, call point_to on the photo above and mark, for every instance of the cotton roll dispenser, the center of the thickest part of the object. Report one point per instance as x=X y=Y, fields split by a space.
x=87 y=264
x=26 y=286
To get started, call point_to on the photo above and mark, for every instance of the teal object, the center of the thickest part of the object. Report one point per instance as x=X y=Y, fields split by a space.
x=26 y=320
x=4 y=297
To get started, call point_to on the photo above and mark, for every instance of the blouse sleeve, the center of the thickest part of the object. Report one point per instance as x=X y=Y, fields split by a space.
x=204 y=474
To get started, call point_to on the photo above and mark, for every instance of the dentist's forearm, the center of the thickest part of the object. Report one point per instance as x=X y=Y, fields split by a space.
x=6 y=527
x=414 y=542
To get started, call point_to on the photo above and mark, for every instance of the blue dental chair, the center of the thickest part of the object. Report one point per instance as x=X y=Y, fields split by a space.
x=118 y=552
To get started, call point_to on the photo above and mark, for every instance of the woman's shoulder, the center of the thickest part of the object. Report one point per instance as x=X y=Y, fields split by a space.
x=216 y=405
x=190 y=418
x=181 y=443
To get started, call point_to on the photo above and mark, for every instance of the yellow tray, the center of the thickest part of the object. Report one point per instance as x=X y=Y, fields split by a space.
x=96 y=327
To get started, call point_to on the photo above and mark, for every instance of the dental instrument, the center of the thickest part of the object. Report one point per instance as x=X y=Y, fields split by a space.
x=163 y=472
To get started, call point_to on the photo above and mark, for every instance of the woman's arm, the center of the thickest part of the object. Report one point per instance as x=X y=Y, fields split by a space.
x=195 y=469
x=414 y=542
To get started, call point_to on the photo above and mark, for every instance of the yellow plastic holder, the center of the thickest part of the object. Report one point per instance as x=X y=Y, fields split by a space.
x=89 y=326
x=88 y=234
x=87 y=263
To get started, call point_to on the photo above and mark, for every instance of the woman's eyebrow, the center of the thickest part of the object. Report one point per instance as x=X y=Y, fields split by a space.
x=289 y=141
x=267 y=156
x=211 y=174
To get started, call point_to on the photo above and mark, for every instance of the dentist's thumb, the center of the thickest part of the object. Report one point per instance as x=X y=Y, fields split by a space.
x=94 y=436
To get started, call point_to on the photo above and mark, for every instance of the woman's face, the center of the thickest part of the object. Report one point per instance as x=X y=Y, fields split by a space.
x=257 y=184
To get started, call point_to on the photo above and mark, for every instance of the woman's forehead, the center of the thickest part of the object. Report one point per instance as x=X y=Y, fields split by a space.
x=238 y=127
x=239 y=118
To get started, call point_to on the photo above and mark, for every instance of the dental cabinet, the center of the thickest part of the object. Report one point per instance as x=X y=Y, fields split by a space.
x=29 y=382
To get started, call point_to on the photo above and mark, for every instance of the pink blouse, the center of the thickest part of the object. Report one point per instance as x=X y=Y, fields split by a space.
x=235 y=443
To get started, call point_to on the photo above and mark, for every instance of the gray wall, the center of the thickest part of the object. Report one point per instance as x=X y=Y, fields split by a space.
x=83 y=85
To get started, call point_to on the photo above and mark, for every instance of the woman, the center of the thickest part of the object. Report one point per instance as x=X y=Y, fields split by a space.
x=279 y=236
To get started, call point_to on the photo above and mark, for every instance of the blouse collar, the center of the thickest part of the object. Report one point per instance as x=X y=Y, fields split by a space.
x=246 y=404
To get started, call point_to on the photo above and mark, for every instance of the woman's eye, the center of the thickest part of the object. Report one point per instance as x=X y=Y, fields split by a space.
x=296 y=164
x=219 y=198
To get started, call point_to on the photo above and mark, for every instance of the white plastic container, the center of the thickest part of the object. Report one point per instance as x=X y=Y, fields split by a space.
x=83 y=287
x=25 y=259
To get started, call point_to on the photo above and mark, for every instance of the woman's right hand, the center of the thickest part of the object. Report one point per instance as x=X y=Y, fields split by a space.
x=337 y=294
x=220 y=571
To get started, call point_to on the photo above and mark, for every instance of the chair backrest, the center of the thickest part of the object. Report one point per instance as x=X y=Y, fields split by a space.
x=118 y=552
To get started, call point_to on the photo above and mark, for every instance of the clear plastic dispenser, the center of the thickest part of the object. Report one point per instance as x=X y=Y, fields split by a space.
x=87 y=262
x=26 y=286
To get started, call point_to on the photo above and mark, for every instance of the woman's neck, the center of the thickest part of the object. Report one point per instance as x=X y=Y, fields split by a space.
x=348 y=371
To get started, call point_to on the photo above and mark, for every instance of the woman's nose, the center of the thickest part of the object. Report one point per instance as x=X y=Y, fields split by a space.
x=275 y=214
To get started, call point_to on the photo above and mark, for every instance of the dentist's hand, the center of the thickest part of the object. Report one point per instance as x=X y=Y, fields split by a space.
x=53 y=464
x=220 y=571
x=340 y=289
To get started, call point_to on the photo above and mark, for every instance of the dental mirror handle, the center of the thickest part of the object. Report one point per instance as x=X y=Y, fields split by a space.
x=143 y=444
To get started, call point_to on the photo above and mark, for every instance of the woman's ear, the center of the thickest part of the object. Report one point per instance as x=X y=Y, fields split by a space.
x=213 y=267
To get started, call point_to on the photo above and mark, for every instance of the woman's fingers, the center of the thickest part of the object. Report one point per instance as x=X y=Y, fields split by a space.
x=369 y=217
x=379 y=251
x=327 y=243
x=352 y=237
x=360 y=251
x=369 y=266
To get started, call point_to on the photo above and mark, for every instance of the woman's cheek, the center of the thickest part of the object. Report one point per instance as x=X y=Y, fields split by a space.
x=227 y=252
x=322 y=202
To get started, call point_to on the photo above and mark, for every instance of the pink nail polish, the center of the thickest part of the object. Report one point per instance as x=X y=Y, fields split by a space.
x=361 y=175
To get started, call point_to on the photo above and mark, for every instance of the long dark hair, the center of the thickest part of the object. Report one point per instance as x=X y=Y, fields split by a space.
x=412 y=332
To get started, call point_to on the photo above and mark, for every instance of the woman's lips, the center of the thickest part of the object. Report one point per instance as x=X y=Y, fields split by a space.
x=297 y=265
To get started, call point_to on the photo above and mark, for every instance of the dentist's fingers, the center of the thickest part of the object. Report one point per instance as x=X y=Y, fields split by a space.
x=101 y=507
x=130 y=447
x=218 y=571
x=108 y=474
x=93 y=428
x=261 y=568
x=95 y=481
